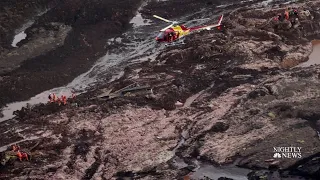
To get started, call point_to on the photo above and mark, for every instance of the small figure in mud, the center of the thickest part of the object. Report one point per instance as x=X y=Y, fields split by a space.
x=294 y=13
x=50 y=97
x=286 y=14
x=73 y=96
x=279 y=17
x=22 y=155
x=58 y=101
x=64 y=100
x=14 y=152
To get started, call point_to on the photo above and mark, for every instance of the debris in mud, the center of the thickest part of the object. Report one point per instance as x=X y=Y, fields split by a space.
x=130 y=90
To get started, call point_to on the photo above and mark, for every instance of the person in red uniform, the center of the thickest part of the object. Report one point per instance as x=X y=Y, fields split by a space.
x=64 y=100
x=21 y=155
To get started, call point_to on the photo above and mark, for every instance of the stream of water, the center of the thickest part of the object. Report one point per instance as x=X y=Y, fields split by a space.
x=314 y=57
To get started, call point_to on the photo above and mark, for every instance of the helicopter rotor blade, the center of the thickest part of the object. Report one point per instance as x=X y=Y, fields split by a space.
x=167 y=27
x=161 y=18
x=194 y=20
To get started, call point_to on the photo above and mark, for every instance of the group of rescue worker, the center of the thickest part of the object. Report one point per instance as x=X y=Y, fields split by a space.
x=290 y=13
x=62 y=100
x=292 y=16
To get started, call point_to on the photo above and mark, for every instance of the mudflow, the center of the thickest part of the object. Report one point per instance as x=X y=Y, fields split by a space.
x=229 y=95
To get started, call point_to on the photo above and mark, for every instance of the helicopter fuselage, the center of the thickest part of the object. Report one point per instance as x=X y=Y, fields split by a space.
x=172 y=34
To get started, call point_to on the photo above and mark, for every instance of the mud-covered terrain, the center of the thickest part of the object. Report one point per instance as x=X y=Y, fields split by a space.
x=224 y=97
x=61 y=44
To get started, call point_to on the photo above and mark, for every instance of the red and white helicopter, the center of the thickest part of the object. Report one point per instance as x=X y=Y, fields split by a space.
x=175 y=31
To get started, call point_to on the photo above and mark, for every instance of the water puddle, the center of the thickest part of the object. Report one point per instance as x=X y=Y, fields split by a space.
x=314 y=57
x=20 y=34
x=209 y=171
x=17 y=38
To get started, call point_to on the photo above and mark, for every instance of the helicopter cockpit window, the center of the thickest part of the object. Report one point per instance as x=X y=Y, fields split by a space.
x=160 y=35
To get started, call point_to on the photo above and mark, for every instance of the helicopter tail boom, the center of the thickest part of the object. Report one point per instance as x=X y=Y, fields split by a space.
x=209 y=27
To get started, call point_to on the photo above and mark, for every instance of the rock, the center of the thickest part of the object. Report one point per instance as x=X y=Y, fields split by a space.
x=258 y=175
x=258 y=92
x=269 y=160
x=311 y=167
x=178 y=104
x=219 y=127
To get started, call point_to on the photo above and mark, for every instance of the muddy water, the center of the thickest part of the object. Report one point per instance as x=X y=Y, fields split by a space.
x=314 y=57
x=209 y=171
x=204 y=170
x=17 y=38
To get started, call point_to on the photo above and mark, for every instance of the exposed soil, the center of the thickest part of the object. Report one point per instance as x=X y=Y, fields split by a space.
x=240 y=98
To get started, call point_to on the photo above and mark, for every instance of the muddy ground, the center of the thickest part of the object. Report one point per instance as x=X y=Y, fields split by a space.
x=62 y=43
x=239 y=97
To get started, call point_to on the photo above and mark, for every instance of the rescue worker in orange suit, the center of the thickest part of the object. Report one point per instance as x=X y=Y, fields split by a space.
x=59 y=101
x=279 y=17
x=21 y=155
x=64 y=100
x=54 y=97
x=286 y=14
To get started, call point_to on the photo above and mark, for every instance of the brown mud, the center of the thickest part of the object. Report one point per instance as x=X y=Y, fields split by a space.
x=240 y=99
